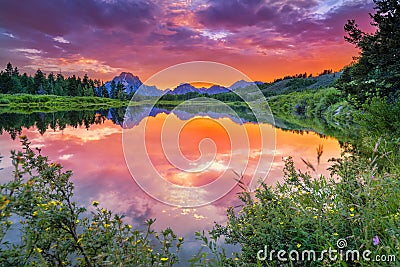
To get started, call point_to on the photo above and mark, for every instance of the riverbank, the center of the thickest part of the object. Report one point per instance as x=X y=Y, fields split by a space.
x=322 y=110
x=26 y=103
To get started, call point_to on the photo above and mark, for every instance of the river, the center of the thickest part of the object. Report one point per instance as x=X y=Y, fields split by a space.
x=90 y=143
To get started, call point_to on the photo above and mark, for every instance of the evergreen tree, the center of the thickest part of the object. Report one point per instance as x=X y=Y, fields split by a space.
x=11 y=82
x=113 y=91
x=60 y=85
x=15 y=85
x=51 y=83
x=121 y=95
x=9 y=69
x=79 y=86
x=85 y=81
x=377 y=72
x=15 y=72
x=27 y=86
x=88 y=86
x=6 y=83
x=104 y=91
x=72 y=87
x=39 y=82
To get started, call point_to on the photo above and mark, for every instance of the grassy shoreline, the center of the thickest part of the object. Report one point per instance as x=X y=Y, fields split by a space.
x=56 y=102
x=323 y=111
x=27 y=104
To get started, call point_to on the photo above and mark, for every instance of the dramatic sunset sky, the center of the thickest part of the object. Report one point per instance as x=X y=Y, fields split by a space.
x=265 y=39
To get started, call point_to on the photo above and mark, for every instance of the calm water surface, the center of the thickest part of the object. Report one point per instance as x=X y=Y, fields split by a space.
x=90 y=144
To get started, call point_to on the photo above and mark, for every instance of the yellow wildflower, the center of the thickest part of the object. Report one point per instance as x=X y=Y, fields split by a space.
x=4 y=203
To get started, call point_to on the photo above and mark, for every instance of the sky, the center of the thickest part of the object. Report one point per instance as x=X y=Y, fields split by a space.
x=264 y=39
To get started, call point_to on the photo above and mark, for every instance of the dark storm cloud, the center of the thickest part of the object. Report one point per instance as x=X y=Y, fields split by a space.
x=278 y=24
x=62 y=17
x=35 y=24
x=236 y=13
x=239 y=13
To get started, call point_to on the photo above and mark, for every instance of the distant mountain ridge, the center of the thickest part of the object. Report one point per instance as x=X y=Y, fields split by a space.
x=132 y=83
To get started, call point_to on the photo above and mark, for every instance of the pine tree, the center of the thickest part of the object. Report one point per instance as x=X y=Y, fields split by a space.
x=72 y=87
x=39 y=82
x=104 y=92
x=26 y=84
x=51 y=83
x=113 y=91
x=60 y=85
x=121 y=91
x=9 y=69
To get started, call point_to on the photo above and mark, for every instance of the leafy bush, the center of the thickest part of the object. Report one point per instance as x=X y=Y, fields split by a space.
x=55 y=230
x=379 y=123
x=357 y=204
x=380 y=116
x=307 y=103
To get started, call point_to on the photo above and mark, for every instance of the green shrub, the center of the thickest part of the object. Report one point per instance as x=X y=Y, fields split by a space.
x=55 y=231
x=311 y=104
x=360 y=206
x=379 y=123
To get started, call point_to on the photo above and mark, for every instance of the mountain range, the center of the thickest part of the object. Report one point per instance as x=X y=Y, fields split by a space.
x=132 y=83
